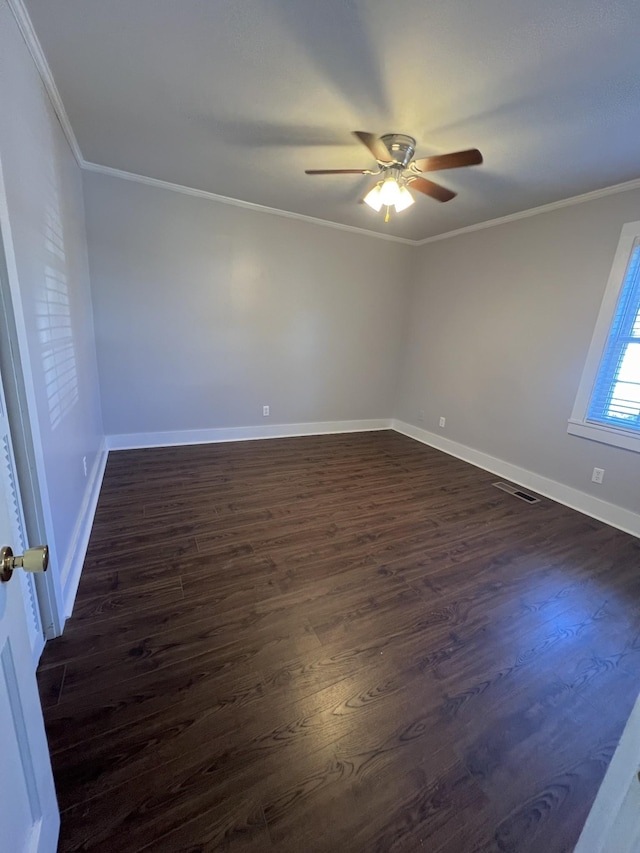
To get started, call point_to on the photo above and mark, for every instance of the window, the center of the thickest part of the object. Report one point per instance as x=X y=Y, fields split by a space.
x=616 y=396
x=607 y=408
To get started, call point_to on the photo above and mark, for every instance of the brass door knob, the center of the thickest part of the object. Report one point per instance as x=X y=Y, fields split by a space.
x=33 y=560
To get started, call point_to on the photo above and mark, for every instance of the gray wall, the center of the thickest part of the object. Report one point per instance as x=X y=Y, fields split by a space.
x=205 y=311
x=500 y=324
x=51 y=292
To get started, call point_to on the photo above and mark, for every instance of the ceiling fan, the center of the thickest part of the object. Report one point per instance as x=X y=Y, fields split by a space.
x=398 y=170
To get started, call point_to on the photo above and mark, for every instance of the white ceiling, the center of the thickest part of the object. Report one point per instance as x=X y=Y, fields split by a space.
x=238 y=97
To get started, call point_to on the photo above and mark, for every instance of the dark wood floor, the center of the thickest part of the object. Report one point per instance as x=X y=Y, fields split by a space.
x=337 y=643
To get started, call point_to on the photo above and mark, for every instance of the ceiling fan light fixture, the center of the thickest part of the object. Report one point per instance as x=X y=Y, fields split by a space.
x=373 y=198
x=405 y=200
x=390 y=191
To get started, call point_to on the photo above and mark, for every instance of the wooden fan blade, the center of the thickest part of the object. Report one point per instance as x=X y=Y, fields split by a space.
x=471 y=157
x=375 y=145
x=337 y=171
x=431 y=189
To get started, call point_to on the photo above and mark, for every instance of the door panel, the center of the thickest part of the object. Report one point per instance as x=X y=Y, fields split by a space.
x=18 y=788
x=29 y=817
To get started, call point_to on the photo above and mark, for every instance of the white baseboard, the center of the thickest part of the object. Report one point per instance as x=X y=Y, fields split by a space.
x=611 y=514
x=136 y=440
x=72 y=569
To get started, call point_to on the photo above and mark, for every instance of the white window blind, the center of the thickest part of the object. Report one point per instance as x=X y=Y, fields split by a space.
x=615 y=400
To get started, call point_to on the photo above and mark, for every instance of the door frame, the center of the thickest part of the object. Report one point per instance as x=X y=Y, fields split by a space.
x=15 y=365
x=614 y=820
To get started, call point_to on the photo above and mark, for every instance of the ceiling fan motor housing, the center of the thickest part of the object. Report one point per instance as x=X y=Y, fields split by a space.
x=401 y=147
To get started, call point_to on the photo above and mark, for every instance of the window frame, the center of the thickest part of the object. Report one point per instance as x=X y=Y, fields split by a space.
x=578 y=423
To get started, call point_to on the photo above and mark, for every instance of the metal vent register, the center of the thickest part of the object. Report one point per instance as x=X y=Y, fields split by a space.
x=516 y=492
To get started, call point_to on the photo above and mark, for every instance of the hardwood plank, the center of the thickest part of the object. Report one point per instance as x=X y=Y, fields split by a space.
x=50 y=680
x=77 y=722
x=118 y=593
x=149 y=654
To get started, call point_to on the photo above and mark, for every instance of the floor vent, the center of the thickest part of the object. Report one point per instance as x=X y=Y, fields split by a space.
x=516 y=492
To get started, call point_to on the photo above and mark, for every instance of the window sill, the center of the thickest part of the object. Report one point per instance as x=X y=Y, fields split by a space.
x=605 y=435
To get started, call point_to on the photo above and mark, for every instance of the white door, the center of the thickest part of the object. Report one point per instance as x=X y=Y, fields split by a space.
x=29 y=816
x=613 y=825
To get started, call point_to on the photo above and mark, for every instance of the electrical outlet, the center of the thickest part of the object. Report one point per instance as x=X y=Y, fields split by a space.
x=265 y=411
x=598 y=475
x=421 y=416
x=442 y=422
x=84 y=465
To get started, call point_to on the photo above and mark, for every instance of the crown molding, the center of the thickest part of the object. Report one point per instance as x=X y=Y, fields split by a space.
x=489 y=223
x=534 y=211
x=247 y=205
x=35 y=49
